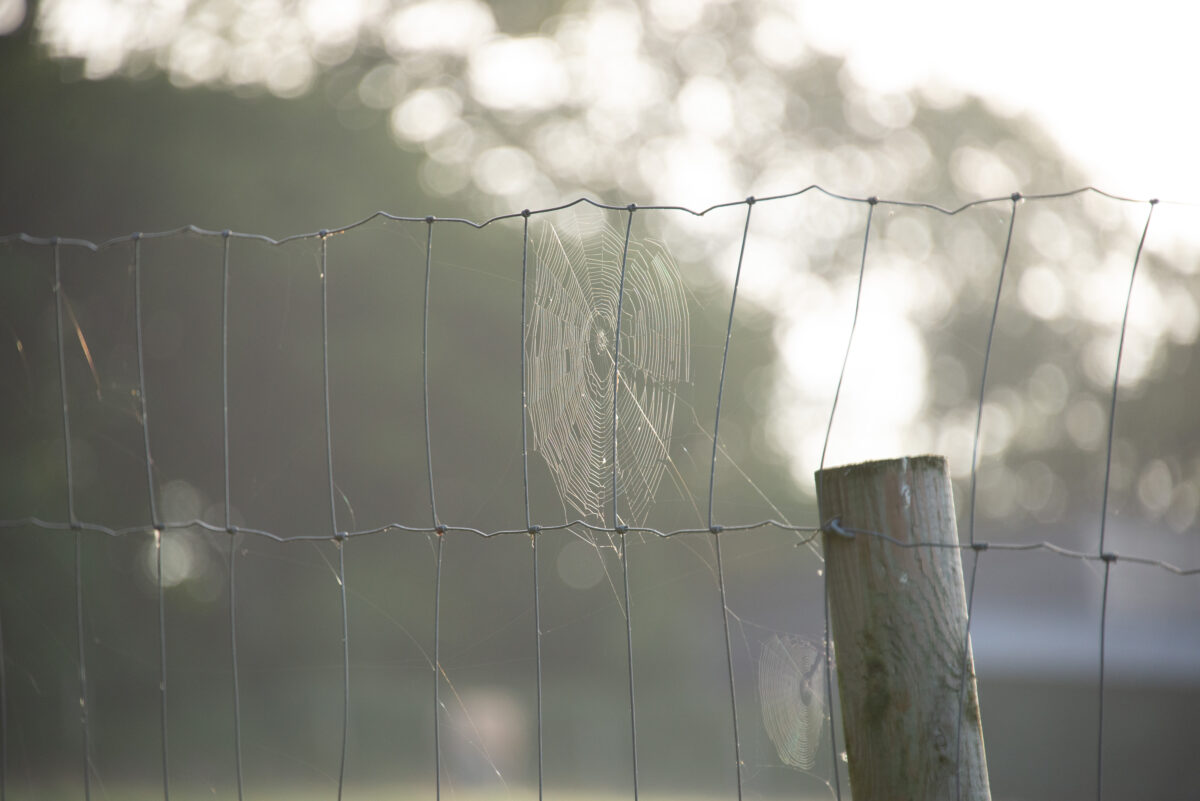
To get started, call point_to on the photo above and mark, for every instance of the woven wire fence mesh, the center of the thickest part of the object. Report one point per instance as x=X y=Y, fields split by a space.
x=538 y=433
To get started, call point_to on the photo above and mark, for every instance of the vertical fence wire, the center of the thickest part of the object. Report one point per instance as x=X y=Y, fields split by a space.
x=1100 y=700
x=341 y=549
x=437 y=670
x=437 y=525
x=62 y=385
x=229 y=529
x=616 y=382
x=737 y=277
x=154 y=519
x=712 y=526
x=828 y=668
x=438 y=528
x=837 y=394
x=162 y=661
x=338 y=537
x=737 y=743
x=225 y=373
x=629 y=653
x=965 y=678
x=983 y=376
x=533 y=534
x=987 y=354
x=537 y=624
x=1109 y=558
x=524 y=377
x=1116 y=383
x=333 y=527
x=623 y=530
x=84 y=710
x=233 y=659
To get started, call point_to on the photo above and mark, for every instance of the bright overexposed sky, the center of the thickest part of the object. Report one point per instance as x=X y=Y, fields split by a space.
x=1114 y=83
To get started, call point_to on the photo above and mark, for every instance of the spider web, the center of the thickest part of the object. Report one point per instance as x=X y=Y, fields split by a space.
x=584 y=275
x=791 y=689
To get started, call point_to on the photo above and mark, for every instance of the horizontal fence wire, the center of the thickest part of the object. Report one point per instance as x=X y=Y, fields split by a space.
x=439 y=527
x=813 y=531
x=384 y=215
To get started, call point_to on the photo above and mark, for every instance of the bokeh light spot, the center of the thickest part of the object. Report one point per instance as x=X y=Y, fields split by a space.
x=424 y=114
x=1041 y=293
x=579 y=564
x=503 y=171
x=454 y=26
x=12 y=14
x=518 y=74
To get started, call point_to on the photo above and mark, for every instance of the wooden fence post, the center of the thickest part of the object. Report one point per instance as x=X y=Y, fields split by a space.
x=898 y=624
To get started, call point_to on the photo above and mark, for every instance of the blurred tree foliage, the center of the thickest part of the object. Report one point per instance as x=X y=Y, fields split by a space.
x=495 y=109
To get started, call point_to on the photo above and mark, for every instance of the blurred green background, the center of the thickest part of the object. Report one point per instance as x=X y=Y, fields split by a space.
x=286 y=118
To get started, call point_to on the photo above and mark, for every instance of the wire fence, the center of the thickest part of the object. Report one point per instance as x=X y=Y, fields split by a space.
x=612 y=523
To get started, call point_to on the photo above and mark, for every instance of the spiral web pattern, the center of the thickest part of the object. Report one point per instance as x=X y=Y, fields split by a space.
x=569 y=346
x=791 y=688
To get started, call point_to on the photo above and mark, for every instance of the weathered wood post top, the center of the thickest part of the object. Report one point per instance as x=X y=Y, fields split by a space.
x=898 y=610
